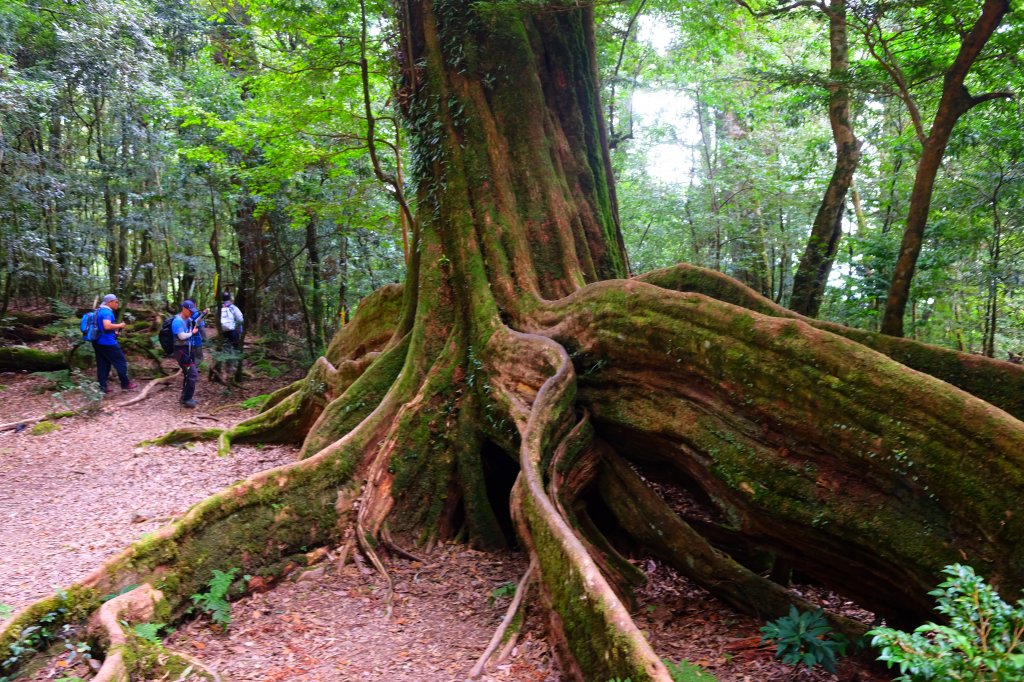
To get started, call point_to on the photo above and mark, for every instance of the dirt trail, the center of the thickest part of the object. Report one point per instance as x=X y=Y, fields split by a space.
x=73 y=497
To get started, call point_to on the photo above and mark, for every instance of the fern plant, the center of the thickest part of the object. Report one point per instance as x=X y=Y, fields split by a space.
x=214 y=601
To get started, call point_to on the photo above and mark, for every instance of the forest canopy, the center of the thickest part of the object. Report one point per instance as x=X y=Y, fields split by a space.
x=237 y=133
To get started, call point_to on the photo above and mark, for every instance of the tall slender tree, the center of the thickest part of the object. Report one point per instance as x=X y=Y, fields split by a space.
x=955 y=101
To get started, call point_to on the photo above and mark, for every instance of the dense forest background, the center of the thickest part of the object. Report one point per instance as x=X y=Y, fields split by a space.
x=165 y=149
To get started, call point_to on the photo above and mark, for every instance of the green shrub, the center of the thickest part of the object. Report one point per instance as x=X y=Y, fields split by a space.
x=984 y=641
x=805 y=637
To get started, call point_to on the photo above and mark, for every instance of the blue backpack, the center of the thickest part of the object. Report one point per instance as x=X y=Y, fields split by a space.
x=91 y=326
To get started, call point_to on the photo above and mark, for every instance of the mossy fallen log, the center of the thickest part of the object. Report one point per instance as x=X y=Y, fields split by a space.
x=22 y=358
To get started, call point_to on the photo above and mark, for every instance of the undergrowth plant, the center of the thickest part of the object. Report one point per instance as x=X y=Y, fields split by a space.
x=214 y=601
x=805 y=637
x=507 y=589
x=35 y=638
x=149 y=632
x=255 y=402
x=683 y=671
x=983 y=642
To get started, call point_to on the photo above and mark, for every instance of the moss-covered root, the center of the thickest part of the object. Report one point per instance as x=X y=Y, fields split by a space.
x=286 y=422
x=128 y=656
x=868 y=474
x=184 y=435
x=108 y=625
x=994 y=381
x=371 y=328
x=596 y=638
x=576 y=461
x=646 y=517
x=21 y=358
x=275 y=398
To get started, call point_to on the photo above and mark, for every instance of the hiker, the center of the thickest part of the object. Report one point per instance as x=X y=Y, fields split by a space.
x=187 y=328
x=231 y=323
x=230 y=359
x=108 y=352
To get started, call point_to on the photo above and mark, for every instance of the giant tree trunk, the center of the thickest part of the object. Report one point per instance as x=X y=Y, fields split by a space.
x=823 y=243
x=516 y=346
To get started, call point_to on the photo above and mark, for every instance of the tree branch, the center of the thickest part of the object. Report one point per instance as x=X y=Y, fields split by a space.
x=1003 y=94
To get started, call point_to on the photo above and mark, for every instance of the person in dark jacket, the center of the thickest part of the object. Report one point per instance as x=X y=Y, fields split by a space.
x=187 y=327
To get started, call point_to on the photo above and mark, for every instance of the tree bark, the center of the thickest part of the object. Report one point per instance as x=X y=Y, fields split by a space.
x=823 y=244
x=314 y=268
x=253 y=253
x=954 y=103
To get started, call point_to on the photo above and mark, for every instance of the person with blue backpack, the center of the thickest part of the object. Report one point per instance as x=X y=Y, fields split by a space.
x=108 y=352
x=187 y=328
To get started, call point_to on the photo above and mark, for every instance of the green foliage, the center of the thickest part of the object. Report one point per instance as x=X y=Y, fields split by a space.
x=684 y=671
x=214 y=601
x=81 y=396
x=35 y=638
x=504 y=590
x=43 y=428
x=148 y=631
x=255 y=402
x=5 y=611
x=60 y=380
x=983 y=642
x=267 y=368
x=805 y=637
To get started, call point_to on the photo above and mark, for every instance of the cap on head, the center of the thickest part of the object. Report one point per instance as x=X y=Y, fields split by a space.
x=226 y=296
x=109 y=298
x=190 y=306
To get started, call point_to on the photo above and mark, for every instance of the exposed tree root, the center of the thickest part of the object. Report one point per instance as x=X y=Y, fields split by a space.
x=593 y=629
x=385 y=536
x=127 y=655
x=162 y=381
x=860 y=472
x=653 y=524
x=511 y=614
x=814 y=447
x=28 y=421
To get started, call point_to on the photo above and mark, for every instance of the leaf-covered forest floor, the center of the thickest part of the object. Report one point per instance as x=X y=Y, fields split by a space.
x=75 y=496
